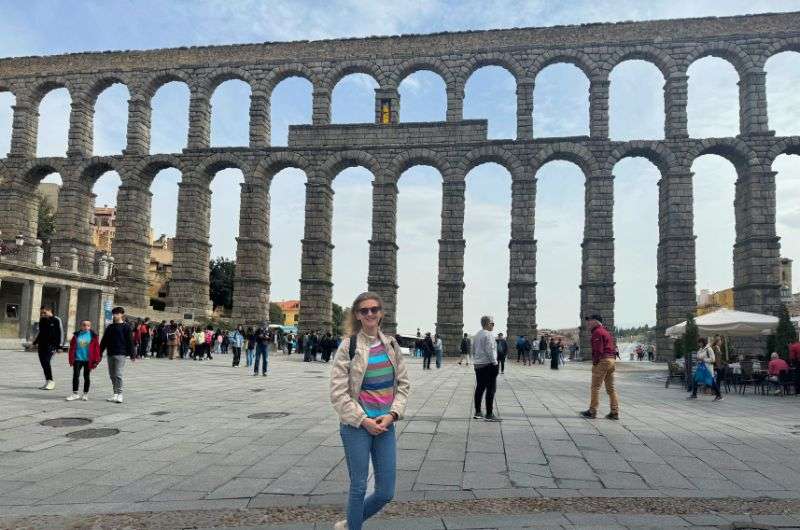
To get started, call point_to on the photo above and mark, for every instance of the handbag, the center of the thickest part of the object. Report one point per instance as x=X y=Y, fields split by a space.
x=703 y=375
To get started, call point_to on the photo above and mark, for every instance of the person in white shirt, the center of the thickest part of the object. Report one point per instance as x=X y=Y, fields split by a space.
x=484 y=358
x=705 y=355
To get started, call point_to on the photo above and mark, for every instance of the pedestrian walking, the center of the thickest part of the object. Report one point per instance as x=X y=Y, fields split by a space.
x=484 y=356
x=525 y=346
x=47 y=341
x=208 y=338
x=251 y=346
x=542 y=350
x=236 y=340
x=144 y=337
x=428 y=350
x=369 y=391
x=262 y=351
x=502 y=352
x=84 y=356
x=438 y=349
x=118 y=341
x=173 y=340
x=466 y=348
x=705 y=373
x=604 y=352
x=289 y=343
x=555 y=354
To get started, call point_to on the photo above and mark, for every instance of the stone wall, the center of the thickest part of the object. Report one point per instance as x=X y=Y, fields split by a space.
x=387 y=149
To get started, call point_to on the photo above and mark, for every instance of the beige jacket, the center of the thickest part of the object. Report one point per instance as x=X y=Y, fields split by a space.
x=347 y=376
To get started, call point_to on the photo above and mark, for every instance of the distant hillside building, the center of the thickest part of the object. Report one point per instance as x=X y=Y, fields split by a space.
x=291 y=312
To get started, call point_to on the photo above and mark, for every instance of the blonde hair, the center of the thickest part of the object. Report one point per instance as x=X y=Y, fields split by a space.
x=355 y=324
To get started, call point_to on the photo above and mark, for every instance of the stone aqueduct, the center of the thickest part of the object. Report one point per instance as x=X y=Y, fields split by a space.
x=387 y=149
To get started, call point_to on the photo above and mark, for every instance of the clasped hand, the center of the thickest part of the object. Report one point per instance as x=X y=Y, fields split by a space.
x=378 y=425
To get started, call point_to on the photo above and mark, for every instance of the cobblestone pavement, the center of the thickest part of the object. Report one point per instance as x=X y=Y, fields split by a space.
x=188 y=455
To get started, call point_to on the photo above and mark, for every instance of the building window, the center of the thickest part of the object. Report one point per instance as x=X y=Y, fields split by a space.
x=12 y=311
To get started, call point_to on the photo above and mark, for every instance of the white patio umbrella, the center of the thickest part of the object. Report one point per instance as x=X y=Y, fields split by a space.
x=729 y=323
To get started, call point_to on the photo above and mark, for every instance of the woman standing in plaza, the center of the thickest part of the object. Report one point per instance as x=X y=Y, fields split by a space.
x=369 y=390
x=438 y=349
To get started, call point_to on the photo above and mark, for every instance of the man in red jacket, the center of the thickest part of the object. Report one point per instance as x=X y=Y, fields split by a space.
x=84 y=354
x=604 y=352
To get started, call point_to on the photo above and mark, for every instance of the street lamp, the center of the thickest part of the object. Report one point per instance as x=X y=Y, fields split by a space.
x=10 y=249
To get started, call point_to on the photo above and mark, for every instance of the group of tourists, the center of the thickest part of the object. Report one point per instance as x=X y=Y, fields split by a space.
x=428 y=348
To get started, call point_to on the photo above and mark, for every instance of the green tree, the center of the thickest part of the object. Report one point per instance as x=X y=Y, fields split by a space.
x=785 y=334
x=221 y=272
x=276 y=315
x=338 y=325
x=47 y=220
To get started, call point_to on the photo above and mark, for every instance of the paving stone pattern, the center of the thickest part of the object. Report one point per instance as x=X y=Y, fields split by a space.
x=453 y=146
x=206 y=454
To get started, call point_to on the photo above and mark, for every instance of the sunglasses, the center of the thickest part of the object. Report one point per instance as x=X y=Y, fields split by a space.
x=364 y=311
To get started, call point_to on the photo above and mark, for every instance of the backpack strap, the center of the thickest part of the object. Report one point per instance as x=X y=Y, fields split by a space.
x=352 y=350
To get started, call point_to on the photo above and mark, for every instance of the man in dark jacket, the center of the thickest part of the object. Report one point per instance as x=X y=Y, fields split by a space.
x=466 y=349
x=118 y=341
x=604 y=351
x=47 y=341
x=502 y=352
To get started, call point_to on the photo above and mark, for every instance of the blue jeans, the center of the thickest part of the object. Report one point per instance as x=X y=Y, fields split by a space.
x=359 y=445
x=262 y=352
x=438 y=358
x=250 y=355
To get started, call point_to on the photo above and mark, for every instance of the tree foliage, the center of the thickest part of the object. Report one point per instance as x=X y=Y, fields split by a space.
x=221 y=273
x=338 y=325
x=276 y=315
x=47 y=216
x=785 y=334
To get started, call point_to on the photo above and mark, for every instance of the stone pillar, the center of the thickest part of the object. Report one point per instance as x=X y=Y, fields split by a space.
x=676 y=89
x=68 y=309
x=525 y=110
x=73 y=226
x=753 y=103
x=139 y=122
x=259 y=120
x=19 y=207
x=188 y=288
x=455 y=102
x=199 y=120
x=131 y=245
x=316 y=287
x=756 y=254
x=81 y=121
x=522 y=251
x=30 y=307
x=676 y=256
x=390 y=96
x=450 y=300
x=598 y=107
x=597 y=271
x=382 y=277
x=24 y=127
x=321 y=106
x=251 y=284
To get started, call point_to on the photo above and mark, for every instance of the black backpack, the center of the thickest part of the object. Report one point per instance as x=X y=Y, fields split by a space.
x=352 y=350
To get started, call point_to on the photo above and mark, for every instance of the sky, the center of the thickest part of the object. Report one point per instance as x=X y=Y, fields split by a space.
x=40 y=27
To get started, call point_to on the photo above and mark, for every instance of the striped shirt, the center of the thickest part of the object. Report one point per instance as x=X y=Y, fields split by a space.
x=377 y=388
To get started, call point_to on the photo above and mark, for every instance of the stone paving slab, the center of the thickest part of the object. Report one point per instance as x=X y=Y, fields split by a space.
x=202 y=449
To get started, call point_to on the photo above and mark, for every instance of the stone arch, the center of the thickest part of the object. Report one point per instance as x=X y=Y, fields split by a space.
x=216 y=163
x=286 y=71
x=496 y=154
x=657 y=153
x=421 y=157
x=228 y=74
x=732 y=53
x=503 y=60
x=342 y=70
x=42 y=89
x=342 y=160
x=573 y=57
x=575 y=153
x=780 y=46
x=733 y=150
x=149 y=167
x=787 y=146
x=152 y=85
x=96 y=166
x=433 y=64
x=281 y=160
x=101 y=84
x=662 y=60
x=35 y=170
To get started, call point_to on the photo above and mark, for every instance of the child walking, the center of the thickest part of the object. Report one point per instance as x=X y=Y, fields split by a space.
x=84 y=354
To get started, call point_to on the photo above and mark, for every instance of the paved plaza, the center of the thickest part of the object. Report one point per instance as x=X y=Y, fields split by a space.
x=188 y=454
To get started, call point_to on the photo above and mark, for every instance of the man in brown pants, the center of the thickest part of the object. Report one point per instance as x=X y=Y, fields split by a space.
x=604 y=352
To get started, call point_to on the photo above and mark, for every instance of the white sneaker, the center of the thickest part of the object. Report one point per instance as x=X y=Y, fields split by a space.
x=73 y=397
x=119 y=398
x=50 y=385
x=85 y=397
x=112 y=399
x=340 y=525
